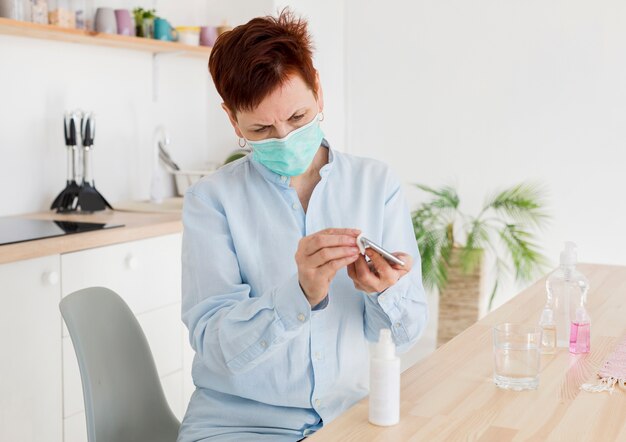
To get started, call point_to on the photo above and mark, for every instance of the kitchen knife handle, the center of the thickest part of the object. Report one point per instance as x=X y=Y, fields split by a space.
x=71 y=127
x=88 y=129
x=72 y=132
x=66 y=127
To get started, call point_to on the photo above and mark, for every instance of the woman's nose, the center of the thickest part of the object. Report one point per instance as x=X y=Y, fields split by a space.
x=282 y=130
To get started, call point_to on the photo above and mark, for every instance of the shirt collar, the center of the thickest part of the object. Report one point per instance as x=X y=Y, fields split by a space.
x=284 y=181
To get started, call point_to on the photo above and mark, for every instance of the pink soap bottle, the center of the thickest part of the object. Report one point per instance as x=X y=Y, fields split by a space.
x=580 y=330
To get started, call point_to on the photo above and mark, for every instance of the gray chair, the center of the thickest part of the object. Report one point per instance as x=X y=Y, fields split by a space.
x=124 y=400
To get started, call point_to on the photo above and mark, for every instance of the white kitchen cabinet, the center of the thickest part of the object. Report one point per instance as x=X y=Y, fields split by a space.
x=30 y=342
x=75 y=428
x=40 y=387
x=146 y=274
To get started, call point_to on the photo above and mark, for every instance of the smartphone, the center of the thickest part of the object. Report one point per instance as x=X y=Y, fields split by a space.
x=364 y=243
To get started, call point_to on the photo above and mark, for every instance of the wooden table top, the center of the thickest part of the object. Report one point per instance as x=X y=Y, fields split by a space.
x=137 y=225
x=450 y=395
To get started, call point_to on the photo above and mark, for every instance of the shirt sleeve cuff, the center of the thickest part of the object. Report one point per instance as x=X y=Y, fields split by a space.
x=291 y=304
x=321 y=305
x=390 y=298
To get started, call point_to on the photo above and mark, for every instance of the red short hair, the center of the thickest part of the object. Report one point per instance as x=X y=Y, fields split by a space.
x=251 y=61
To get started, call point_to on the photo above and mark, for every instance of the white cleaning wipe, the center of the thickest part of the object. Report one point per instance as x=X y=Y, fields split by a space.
x=359 y=244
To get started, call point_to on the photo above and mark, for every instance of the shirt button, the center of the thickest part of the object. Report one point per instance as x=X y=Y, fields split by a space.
x=396 y=325
x=381 y=298
x=294 y=206
x=263 y=344
x=301 y=317
x=317 y=402
x=318 y=355
x=283 y=178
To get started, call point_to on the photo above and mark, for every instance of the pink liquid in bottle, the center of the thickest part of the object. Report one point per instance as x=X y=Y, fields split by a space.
x=580 y=337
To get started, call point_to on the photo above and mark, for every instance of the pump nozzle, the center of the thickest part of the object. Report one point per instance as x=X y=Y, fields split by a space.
x=569 y=255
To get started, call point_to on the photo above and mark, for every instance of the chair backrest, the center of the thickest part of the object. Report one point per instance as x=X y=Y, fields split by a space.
x=124 y=399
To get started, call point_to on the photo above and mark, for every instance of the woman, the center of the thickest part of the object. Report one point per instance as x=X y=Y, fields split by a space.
x=277 y=299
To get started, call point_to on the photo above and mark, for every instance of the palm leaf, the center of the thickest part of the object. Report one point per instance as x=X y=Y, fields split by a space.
x=431 y=245
x=501 y=269
x=447 y=197
x=523 y=251
x=434 y=248
x=523 y=203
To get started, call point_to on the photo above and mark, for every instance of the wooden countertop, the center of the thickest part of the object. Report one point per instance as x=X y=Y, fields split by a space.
x=137 y=225
x=451 y=396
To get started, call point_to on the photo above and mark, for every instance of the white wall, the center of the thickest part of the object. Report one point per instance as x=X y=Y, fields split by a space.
x=326 y=25
x=490 y=92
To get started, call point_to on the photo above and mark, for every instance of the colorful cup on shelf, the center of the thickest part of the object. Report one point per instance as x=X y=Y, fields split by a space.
x=189 y=35
x=125 y=25
x=105 y=21
x=208 y=35
x=163 y=30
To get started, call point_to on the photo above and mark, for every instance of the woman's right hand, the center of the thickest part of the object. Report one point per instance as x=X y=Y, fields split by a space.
x=320 y=256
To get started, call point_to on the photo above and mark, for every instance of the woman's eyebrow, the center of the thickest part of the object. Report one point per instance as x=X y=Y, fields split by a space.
x=297 y=112
x=292 y=115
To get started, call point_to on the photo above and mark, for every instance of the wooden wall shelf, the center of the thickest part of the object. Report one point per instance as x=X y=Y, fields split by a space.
x=49 y=32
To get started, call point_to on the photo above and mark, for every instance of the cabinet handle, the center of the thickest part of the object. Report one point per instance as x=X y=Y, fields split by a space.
x=131 y=262
x=51 y=278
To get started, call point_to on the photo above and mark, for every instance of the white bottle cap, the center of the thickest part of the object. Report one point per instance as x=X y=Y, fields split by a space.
x=385 y=348
x=569 y=255
x=581 y=316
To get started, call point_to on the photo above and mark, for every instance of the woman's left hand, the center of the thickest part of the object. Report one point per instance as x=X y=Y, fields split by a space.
x=378 y=274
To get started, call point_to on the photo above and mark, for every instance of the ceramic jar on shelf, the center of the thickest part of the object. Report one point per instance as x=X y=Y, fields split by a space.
x=39 y=11
x=61 y=14
x=16 y=9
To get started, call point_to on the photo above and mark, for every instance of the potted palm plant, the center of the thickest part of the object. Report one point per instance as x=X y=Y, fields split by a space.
x=504 y=228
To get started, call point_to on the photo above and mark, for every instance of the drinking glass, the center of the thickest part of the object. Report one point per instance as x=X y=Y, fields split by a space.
x=516 y=356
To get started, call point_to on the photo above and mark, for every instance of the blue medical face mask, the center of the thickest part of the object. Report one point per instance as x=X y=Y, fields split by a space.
x=293 y=154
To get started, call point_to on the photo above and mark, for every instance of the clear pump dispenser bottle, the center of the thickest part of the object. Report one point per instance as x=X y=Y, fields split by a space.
x=563 y=286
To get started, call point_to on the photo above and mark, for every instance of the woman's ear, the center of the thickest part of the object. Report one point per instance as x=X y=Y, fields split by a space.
x=320 y=92
x=233 y=120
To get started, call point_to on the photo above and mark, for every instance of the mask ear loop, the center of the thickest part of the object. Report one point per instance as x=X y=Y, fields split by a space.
x=244 y=142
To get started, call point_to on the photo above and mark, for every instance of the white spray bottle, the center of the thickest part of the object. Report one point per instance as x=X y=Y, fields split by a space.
x=384 y=399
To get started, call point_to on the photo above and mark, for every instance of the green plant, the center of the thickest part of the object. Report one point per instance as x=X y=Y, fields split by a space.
x=143 y=19
x=140 y=14
x=508 y=215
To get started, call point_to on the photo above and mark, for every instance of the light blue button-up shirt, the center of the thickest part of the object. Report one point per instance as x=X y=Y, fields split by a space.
x=267 y=366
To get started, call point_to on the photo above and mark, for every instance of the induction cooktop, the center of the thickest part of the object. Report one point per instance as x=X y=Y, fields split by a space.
x=14 y=229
